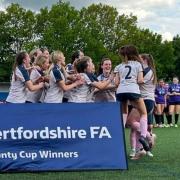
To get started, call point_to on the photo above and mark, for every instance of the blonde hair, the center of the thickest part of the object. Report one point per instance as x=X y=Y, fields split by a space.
x=41 y=59
x=55 y=56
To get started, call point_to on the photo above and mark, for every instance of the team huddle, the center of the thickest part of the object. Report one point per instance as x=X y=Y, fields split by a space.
x=42 y=78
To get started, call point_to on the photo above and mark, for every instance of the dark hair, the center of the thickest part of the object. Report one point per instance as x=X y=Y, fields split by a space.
x=20 y=57
x=129 y=52
x=82 y=64
x=19 y=60
x=100 y=70
x=151 y=64
x=75 y=56
x=43 y=49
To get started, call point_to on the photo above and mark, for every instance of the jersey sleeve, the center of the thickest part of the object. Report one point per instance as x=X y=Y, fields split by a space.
x=24 y=75
x=100 y=77
x=92 y=77
x=139 y=67
x=57 y=75
x=116 y=69
x=87 y=79
x=34 y=75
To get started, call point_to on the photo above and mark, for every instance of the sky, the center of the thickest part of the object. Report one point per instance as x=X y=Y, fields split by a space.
x=160 y=16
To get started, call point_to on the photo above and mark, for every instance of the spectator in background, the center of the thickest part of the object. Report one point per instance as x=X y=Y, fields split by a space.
x=174 y=99
x=160 y=97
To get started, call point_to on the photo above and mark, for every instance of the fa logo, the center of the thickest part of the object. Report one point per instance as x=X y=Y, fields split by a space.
x=99 y=132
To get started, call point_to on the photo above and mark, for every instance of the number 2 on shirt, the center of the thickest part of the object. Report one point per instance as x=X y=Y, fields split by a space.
x=129 y=71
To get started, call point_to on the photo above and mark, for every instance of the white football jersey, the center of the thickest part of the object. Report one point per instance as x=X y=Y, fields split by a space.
x=148 y=87
x=18 y=92
x=34 y=96
x=128 y=73
x=105 y=95
x=82 y=93
x=54 y=93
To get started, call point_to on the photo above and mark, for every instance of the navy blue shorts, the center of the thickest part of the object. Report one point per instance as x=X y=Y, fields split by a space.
x=127 y=96
x=160 y=102
x=174 y=103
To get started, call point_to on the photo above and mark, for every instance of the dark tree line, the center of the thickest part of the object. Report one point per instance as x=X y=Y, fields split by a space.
x=98 y=29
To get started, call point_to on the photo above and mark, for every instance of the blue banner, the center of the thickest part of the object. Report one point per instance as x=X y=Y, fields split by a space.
x=54 y=137
x=3 y=96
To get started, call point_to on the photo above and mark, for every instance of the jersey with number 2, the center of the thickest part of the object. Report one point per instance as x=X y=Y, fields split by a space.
x=128 y=73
